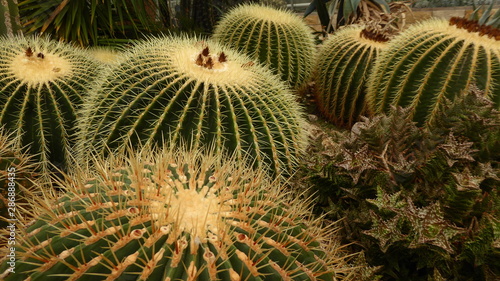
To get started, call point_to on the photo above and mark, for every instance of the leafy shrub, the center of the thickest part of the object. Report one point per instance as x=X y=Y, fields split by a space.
x=423 y=203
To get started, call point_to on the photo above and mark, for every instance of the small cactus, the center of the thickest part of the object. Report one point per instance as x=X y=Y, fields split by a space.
x=277 y=38
x=42 y=84
x=434 y=60
x=187 y=91
x=173 y=216
x=342 y=69
x=104 y=54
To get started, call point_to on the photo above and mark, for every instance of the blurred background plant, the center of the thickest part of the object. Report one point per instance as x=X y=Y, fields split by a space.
x=97 y=22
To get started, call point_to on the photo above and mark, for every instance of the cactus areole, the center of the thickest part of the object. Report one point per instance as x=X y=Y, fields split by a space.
x=187 y=91
x=172 y=218
x=433 y=60
x=42 y=84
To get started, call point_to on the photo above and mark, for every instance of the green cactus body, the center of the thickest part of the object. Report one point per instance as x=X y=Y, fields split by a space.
x=433 y=60
x=42 y=83
x=9 y=18
x=196 y=93
x=342 y=68
x=172 y=217
x=276 y=38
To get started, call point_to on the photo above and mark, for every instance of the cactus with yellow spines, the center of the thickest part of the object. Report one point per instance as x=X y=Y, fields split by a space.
x=341 y=73
x=105 y=54
x=199 y=93
x=174 y=216
x=277 y=38
x=434 y=60
x=42 y=84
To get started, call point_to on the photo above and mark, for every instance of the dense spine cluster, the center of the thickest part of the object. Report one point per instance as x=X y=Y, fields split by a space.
x=342 y=67
x=184 y=91
x=171 y=216
x=276 y=38
x=431 y=61
x=42 y=84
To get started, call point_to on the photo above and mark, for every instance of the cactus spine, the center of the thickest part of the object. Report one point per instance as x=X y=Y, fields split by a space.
x=186 y=91
x=41 y=86
x=433 y=60
x=172 y=216
x=342 y=68
x=276 y=38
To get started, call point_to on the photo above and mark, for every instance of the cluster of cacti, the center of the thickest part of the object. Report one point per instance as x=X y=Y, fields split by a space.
x=341 y=70
x=42 y=84
x=9 y=18
x=434 y=60
x=276 y=38
x=185 y=91
x=173 y=216
x=421 y=202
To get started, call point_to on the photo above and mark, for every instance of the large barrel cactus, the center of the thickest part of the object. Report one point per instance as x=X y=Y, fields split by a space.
x=173 y=216
x=433 y=60
x=200 y=94
x=277 y=38
x=342 y=68
x=42 y=84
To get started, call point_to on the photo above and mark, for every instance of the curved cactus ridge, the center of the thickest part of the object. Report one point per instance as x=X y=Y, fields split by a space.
x=432 y=60
x=173 y=216
x=199 y=93
x=341 y=73
x=42 y=83
x=277 y=38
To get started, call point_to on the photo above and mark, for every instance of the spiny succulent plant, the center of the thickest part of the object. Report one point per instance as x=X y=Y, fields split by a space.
x=104 y=54
x=16 y=175
x=276 y=38
x=42 y=84
x=199 y=93
x=434 y=60
x=342 y=67
x=171 y=216
x=421 y=202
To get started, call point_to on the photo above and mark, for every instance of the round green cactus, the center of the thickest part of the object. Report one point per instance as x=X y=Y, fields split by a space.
x=173 y=216
x=342 y=69
x=42 y=83
x=433 y=60
x=278 y=39
x=104 y=54
x=196 y=93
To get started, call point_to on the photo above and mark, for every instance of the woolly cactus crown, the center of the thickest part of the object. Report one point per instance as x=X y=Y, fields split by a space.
x=176 y=89
x=277 y=38
x=171 y=216
x=42 y=83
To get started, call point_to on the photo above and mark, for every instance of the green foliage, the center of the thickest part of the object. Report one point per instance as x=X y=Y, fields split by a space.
x=9 y=18
x=42 y=84
x=86 y=22
x=342 y=67
x=276 y=38
x=433 y=61
x=422 y=203
x=186 y=91
x=173 y=216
